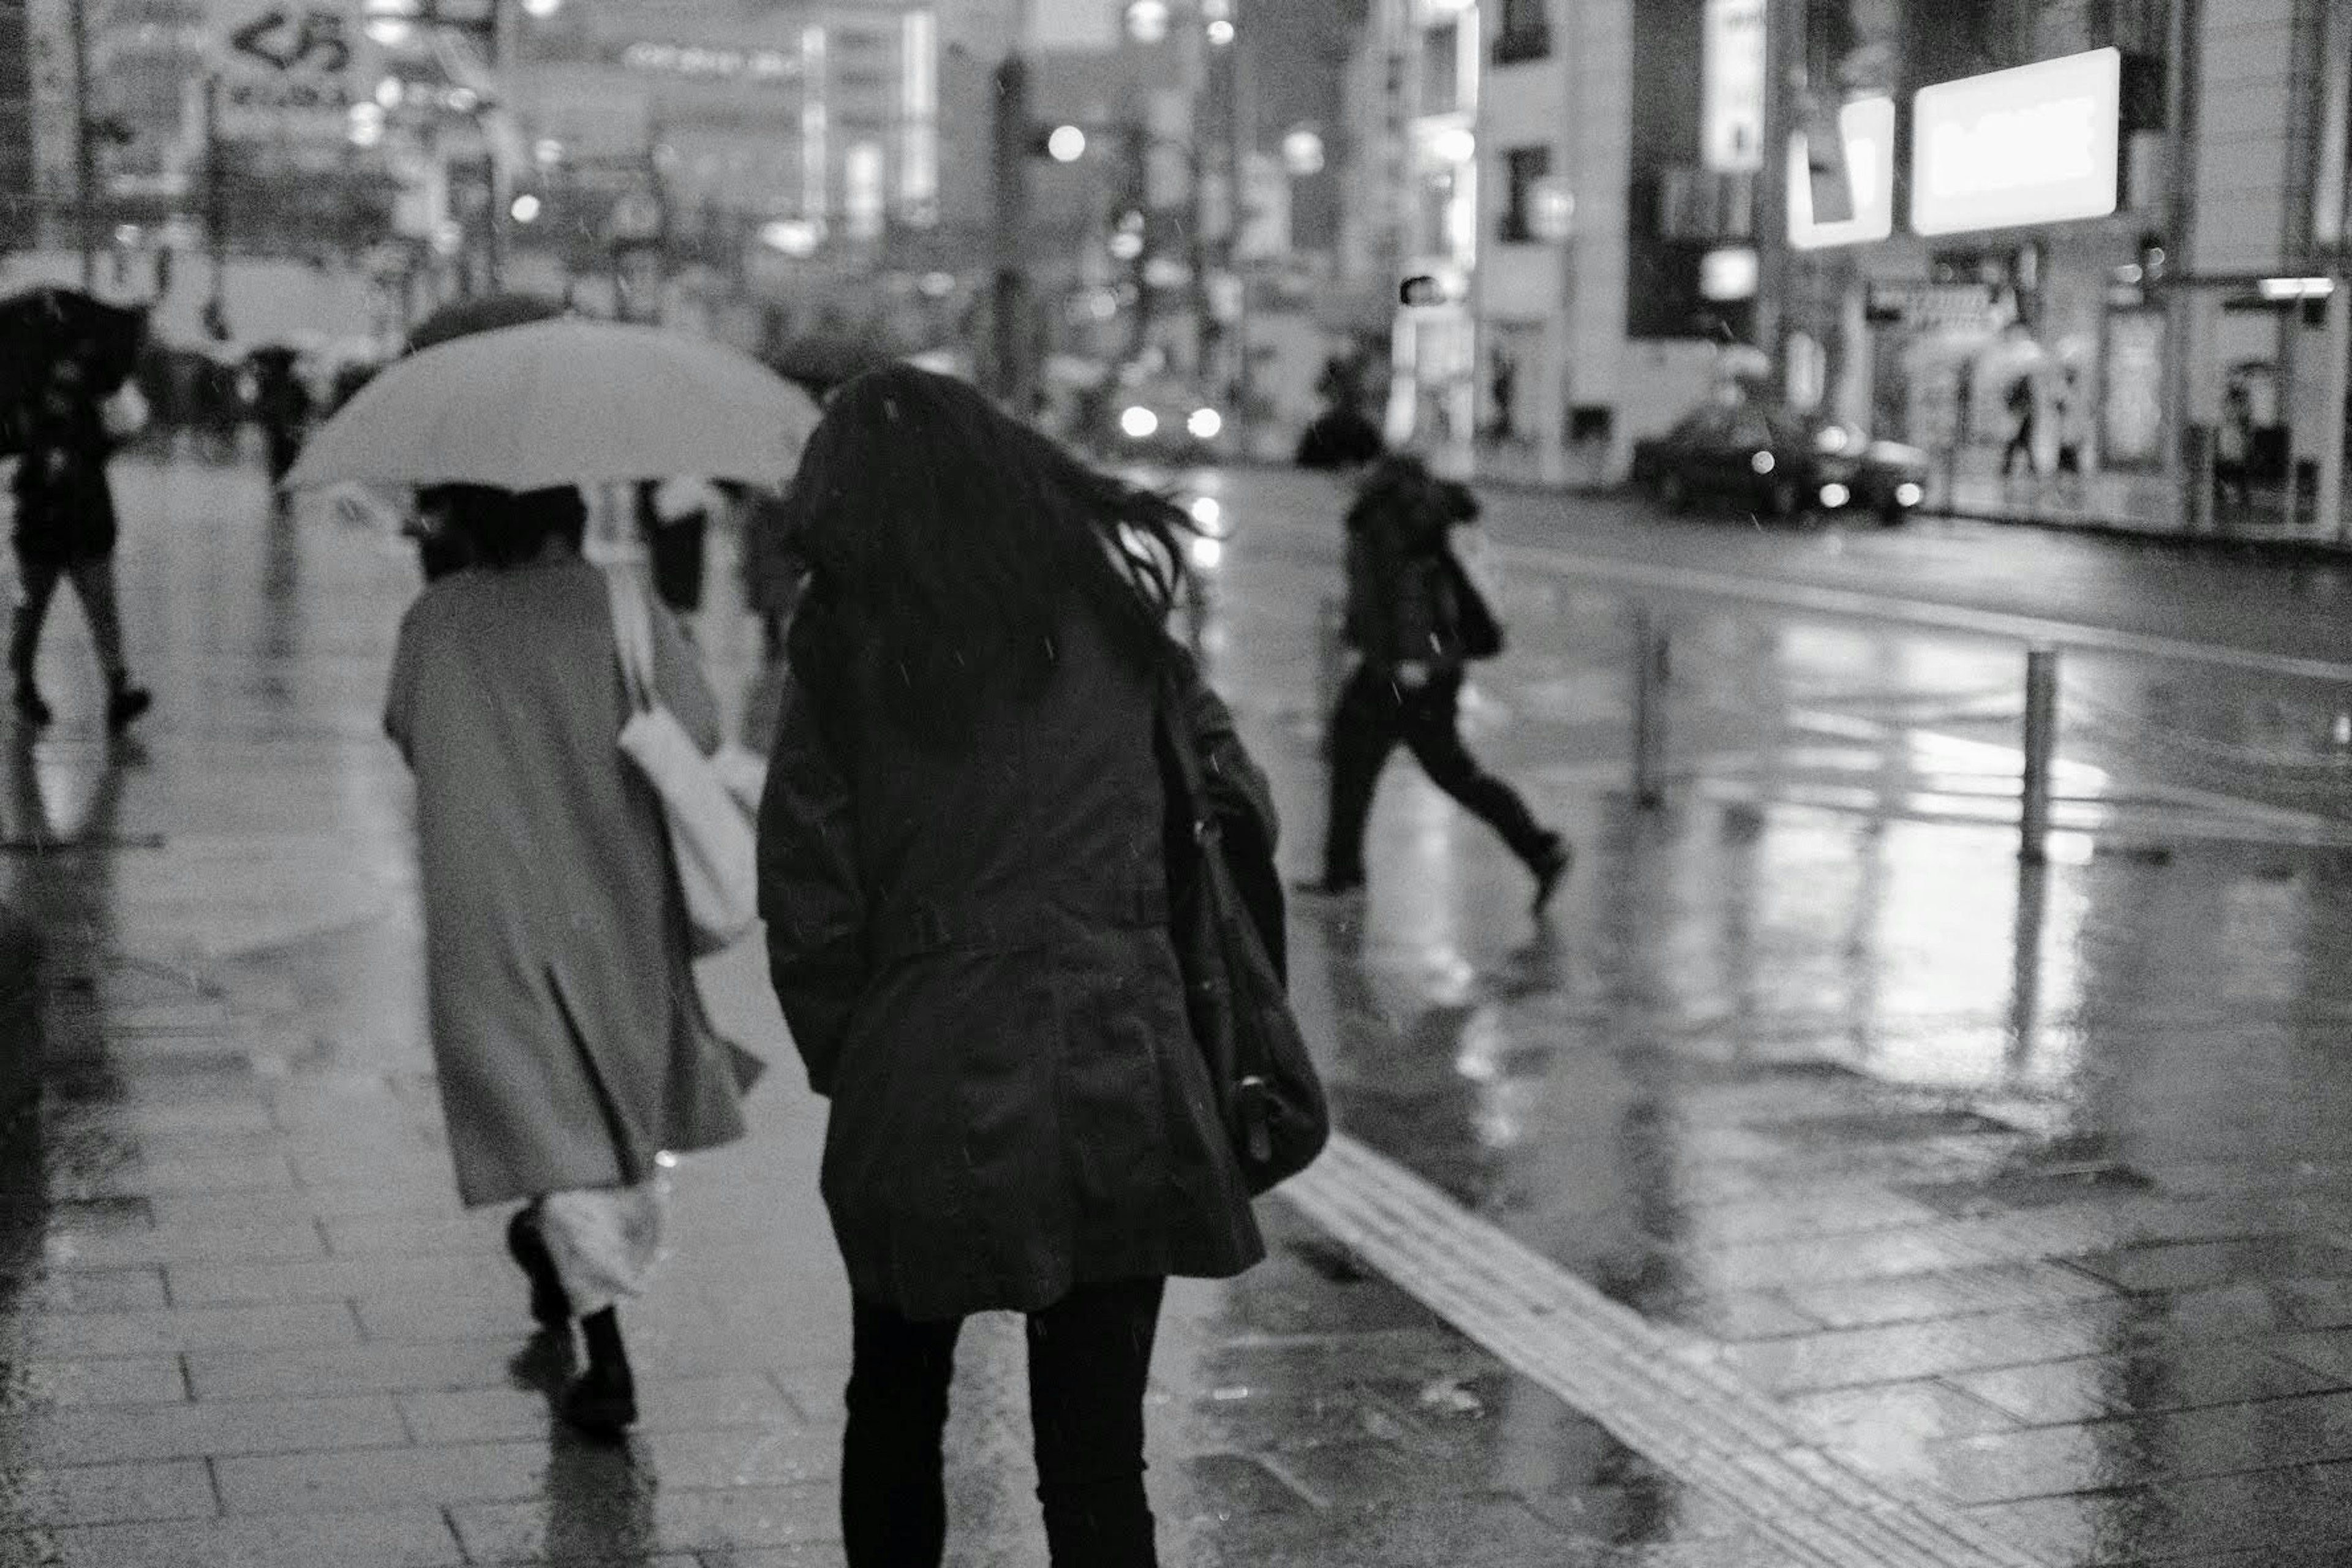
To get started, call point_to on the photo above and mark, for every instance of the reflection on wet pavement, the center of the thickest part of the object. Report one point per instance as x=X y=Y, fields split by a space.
x=2023 y=1186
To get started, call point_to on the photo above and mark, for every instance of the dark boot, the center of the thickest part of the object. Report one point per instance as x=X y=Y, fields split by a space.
x=603 y=1400
x=550 y=1308
x=125 y=704
x=28 y=701
x=1549 y=865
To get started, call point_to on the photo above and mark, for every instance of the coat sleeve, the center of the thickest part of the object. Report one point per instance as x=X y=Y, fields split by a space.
x=681 y=685
x=810 y=894
x=400 y=697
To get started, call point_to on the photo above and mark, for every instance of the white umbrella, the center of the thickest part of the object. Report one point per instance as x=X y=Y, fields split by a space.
x=569 y=401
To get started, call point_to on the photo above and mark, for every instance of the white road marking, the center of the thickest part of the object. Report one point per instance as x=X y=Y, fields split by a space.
x=1659 y=1394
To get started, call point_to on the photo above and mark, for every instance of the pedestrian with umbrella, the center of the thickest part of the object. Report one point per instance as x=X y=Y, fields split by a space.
x=575 y=1057
x=70 y=358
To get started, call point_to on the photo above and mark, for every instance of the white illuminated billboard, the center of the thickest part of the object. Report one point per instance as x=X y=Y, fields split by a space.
x=2036 y=144
x=1867 y=125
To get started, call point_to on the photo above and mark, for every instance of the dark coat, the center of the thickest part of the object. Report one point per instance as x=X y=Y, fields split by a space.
x=972 y=952
x=570 y=1041
x=65 y=508
x=1402 y=585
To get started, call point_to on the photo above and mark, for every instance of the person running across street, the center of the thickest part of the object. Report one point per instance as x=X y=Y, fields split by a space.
x=1405 y=619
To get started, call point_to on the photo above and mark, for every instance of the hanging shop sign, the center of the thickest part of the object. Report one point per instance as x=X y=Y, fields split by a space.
x=1867 y=128
x=289 y=69
x=1731 y=86
x=2036 y=144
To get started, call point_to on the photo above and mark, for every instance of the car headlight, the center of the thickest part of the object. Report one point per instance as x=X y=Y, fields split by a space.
x=1204 y=424
x=1908 y=494
x=1835 y=495
x=1138 y=421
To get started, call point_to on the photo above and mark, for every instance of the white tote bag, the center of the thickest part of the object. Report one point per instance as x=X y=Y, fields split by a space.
x=710 y=836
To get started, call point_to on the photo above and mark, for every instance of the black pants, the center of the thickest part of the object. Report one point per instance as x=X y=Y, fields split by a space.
x=1374 y=716
x=1088 y=1356
x=93 y=581
x=675 y=551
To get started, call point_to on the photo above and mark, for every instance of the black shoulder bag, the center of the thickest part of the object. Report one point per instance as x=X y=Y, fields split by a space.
x=1226 y=921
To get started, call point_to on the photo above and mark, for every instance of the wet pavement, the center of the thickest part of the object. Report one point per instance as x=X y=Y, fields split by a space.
x=2015 y=1194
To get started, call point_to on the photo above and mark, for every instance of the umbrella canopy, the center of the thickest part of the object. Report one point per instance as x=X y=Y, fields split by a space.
x=571 y=401
x=485 y=314
x=41 y=326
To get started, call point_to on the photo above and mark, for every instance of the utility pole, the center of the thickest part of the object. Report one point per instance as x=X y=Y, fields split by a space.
x=85 y=153
x=2189 y=480
x=1243 y=146
x=216 y=200
x=1008 y=296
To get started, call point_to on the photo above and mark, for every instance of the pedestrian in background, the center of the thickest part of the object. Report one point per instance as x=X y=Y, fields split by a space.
x=674 y=517
x=2021 y=405
x=2233 y=447
x=574 y=1053
x=963 y=870
x=66 y=527
x=772 y=570
x=1408 y=603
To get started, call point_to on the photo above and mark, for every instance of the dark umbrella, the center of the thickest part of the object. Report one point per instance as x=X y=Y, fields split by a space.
x=819 y=364
x=487 y=313
x=41 y=326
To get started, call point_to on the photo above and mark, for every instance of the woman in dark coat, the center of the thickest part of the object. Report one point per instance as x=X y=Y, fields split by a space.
x=963 y=874
x=574 y=1053
x=66 y=532
x=1404 y=625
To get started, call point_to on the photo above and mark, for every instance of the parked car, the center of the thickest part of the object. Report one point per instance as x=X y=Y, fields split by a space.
x=1783 y=464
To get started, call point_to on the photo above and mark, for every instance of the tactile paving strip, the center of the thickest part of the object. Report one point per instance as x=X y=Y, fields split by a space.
x=1654 y=1392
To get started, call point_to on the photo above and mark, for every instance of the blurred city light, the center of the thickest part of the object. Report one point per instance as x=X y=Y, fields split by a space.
x=938 y=285
x=1125 y=245
x=1068 y=143
x=2297 y=288
x=793 y=236
x=1207 y=511
x=1138 y=421
x=390 y=21
x=1220 y=33
x=1147 y=21
x=1207 y=552
x=1204 y=424
x=525 y=208
x=548 y=152
x=463 y=99
x=1302 y=152
x=542 y=9
x=1835 y=495
x=387 y=93
x=1454 y=144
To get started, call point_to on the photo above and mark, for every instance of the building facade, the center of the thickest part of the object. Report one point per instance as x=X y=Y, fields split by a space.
x=2110 y=220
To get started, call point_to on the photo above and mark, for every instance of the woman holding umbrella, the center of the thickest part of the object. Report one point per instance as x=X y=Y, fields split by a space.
x=572 y=1049
x=575 y=1054
x=65 y=525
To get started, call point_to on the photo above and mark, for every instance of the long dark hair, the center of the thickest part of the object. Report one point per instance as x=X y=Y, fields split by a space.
x=947 y=542
x=502 y=529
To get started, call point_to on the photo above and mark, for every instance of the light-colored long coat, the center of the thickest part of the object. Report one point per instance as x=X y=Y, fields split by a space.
x=570 y=1043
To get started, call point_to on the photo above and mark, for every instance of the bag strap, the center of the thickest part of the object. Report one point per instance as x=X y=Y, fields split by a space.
x=632 y=638
x=1176 y=739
